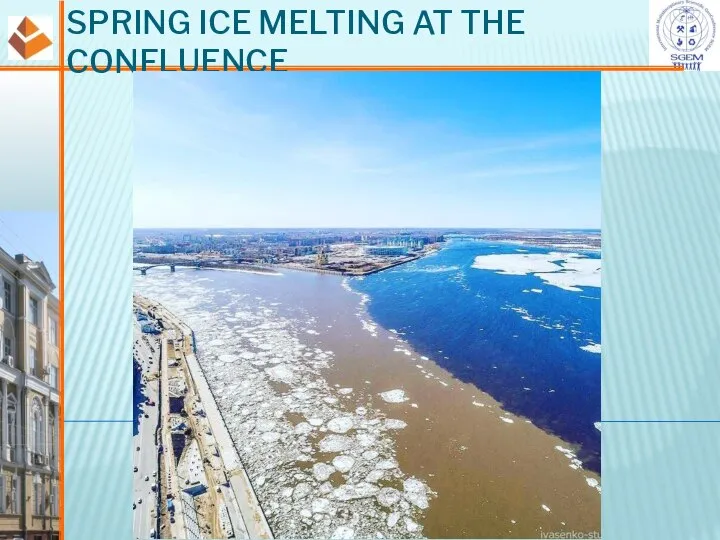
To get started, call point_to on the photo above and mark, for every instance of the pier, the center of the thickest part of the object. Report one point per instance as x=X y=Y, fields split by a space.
x=204 y=476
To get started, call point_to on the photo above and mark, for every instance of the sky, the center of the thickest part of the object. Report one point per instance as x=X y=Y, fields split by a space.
x=35 y=234
x=367 y=149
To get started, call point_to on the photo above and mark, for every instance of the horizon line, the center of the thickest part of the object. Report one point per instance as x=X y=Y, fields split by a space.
x=371 y=227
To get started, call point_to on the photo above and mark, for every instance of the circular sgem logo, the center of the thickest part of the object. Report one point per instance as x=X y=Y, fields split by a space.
x=686 y=29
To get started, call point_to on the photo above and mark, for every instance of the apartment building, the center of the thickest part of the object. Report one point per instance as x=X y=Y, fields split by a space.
x=29 y=401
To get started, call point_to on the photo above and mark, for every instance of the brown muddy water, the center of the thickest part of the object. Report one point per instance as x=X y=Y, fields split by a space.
x=493 y=474
x=492 y=478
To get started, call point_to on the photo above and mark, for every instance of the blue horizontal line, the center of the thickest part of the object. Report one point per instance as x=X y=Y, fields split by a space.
x=97 y=421
x=660 y=421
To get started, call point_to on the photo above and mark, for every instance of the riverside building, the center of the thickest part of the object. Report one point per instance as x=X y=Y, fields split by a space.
x=29 y=401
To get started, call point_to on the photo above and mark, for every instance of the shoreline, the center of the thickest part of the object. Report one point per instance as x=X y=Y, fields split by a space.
x=574 y=434
x=391 y=333
x=238 y=490
x=556 y=449
x=437 y=395
x=270 y=269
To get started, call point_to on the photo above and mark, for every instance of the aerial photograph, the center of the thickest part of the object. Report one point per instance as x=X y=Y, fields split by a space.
x=367 y=305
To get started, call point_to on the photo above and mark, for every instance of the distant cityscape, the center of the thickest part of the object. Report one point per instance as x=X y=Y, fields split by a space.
x=339 y=251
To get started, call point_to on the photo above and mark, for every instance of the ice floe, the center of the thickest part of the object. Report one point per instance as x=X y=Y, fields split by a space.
x=575 y=463
x=416 y=493
x=341 y=424
x=322 y=471
x=343 y=463
x=392 y=423
x=319 y=455
x=388 y=497
x=593 y=483
x=592 y=347
x=343 y=533
x=569 y=271
x=394 y=396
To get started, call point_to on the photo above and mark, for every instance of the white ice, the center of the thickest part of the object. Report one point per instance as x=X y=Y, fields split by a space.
x=569 y=271
x=394 y=396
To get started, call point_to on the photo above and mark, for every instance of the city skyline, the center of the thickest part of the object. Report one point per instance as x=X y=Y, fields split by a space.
x=369 y=150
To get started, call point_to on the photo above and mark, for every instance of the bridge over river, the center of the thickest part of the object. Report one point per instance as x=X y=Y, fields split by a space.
x=144 y=269
x=142 y=266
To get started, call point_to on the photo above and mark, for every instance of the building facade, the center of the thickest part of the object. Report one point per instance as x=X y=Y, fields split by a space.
x=29 y=401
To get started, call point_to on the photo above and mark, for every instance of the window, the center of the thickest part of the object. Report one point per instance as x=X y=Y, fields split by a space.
x=32 y=360
x=12 y=495
x=53 y=440
x=8 y=297
x=12 y=424
x=7 y=495
x=38 y=441
x=34 y=311
x=54 y=501
x=7 y=350
x=38 y=505
x=53 y=381
x=53 y=332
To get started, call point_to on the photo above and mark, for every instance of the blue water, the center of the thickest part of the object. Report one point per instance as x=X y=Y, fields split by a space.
x=463 y=319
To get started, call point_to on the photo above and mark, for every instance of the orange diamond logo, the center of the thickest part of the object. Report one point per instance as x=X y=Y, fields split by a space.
x=29 y=37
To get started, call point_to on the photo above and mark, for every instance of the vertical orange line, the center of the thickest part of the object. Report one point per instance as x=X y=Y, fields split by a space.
x=61 y=167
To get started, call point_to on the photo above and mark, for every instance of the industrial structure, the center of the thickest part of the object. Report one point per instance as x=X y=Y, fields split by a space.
x=386 y=251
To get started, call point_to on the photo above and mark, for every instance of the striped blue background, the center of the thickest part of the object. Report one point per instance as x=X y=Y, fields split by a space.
x=661 y=194
x=98 y=306
x=660 y=221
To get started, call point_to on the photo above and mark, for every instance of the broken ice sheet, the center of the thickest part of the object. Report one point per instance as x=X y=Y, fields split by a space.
x=322 y=466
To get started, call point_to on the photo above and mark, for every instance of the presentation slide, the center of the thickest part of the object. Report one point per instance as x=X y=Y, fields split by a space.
x=314 y=271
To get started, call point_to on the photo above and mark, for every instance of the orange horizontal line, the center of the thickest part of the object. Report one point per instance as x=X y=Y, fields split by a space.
x=365 y=68
x=29 y=68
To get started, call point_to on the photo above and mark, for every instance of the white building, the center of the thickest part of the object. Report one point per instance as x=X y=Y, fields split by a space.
x=29 y=400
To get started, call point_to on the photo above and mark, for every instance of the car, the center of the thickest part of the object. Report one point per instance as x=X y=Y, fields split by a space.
x=147 y=478
x=135 y=469
x=147 y=415
x=154 y=474
x=139 y=501
x=138 y=448
x=152 y=534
